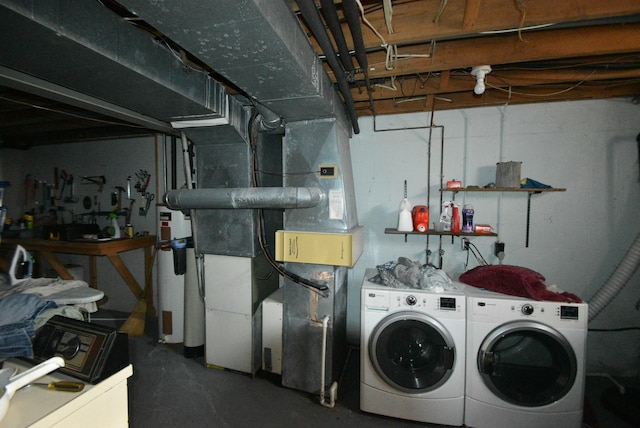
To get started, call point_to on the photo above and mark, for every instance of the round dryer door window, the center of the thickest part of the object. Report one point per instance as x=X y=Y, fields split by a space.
x=527 y=363
x=412 y=352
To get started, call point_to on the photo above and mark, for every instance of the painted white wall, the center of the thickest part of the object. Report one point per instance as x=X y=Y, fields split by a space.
x=577 y=237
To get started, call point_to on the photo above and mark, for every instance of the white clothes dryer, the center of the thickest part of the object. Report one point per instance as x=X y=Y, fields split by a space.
x=412 y=353
x=525 y=361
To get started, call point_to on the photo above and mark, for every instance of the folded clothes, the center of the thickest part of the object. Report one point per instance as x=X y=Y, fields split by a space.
x=515 y=281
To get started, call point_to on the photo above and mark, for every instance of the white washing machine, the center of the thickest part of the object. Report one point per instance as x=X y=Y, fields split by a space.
x=412 y=353
x=525 y=361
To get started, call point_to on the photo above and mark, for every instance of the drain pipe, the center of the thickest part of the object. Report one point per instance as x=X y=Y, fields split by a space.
x=334 y=386
x=244 y=197
x=617 y=281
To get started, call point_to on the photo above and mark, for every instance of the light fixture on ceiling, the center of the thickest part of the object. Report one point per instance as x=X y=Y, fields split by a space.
x=479 y=72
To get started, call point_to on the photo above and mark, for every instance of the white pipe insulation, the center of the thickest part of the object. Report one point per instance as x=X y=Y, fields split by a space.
x=617 y=281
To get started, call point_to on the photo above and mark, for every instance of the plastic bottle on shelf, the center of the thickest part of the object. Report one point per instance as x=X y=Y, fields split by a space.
x=405 y=222
x=114 y=228
x=455 y=218
x=467 y=218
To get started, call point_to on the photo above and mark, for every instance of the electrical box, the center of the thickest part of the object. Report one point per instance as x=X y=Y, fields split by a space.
x=335 y=249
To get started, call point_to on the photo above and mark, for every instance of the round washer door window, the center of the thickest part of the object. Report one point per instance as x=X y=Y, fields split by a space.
x=412 y=352
x=527 y=363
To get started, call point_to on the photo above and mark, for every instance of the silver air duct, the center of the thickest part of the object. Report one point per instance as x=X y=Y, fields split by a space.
x=237 y=198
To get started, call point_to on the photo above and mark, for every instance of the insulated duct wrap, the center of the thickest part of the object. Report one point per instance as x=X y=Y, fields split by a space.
x=236 y=198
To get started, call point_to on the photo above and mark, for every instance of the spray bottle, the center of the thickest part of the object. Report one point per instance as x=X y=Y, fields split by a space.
x=445 y=217
x=114 y=227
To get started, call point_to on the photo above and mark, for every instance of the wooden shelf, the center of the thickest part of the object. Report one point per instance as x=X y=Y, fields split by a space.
x=504 y=189
x=528 y=190
x=391 y=231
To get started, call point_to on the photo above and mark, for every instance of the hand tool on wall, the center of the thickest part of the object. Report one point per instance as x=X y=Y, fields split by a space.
x=64 y=176
x=71 y=198
x=100 y=180
x=27 y=189
x=119 y=203
x=147 y=198
x=54 y=199
x=143 y=180
x=129 y=211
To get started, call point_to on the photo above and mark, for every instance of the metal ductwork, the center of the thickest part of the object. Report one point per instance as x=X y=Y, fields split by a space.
x=257 y=45
x=239 y=198
x=84 y=47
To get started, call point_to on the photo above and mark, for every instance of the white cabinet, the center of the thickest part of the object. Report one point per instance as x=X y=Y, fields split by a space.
x=104 y=405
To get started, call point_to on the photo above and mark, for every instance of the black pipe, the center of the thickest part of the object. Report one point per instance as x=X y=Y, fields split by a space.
x=174 y=163
x=331 y=17
x=314 y=21
x=353 y=19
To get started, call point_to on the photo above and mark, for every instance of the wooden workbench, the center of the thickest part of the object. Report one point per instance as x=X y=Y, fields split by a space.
x=111 y=249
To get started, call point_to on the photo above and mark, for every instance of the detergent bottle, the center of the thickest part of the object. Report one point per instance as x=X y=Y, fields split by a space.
x=420 y=215
x=405 y=222
x=114 y=227
x=455 y=218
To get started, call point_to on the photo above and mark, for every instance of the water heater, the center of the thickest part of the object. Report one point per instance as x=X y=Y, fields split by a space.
x=172 y=224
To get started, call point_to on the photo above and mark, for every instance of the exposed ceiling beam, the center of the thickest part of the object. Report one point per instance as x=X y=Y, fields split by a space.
x=493 y=97
x=509 y=49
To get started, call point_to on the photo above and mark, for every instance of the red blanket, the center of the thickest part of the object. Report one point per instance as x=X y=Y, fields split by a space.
x=515 y=281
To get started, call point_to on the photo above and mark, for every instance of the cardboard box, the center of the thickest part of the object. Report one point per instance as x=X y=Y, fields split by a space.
x=334 y=249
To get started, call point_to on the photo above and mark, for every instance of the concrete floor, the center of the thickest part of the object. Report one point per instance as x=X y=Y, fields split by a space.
x=169 y=390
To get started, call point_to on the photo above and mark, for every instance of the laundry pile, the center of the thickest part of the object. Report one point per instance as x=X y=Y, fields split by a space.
x=405 y=273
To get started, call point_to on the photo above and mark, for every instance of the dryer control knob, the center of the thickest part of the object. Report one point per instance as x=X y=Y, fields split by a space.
x=527 y=309
x=411 y=300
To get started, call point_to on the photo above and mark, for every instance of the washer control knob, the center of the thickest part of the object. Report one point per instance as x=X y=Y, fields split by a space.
x=527 y=309
x=411 y=300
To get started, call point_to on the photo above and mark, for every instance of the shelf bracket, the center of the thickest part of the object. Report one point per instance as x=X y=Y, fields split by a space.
x=529 y=194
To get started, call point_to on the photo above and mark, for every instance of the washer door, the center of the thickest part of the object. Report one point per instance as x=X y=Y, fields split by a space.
x=527 y=363
x=412 y=352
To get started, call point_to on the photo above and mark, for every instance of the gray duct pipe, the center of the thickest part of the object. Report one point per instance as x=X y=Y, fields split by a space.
x=617 y=280
x=270 y=121
x=331 y=17
x=312 y=16
x=251 y=197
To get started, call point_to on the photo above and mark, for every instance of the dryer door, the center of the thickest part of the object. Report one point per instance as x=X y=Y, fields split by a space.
x=527 y=363
x=412 y=352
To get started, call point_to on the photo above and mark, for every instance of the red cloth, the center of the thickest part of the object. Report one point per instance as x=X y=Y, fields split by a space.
x=515 y=281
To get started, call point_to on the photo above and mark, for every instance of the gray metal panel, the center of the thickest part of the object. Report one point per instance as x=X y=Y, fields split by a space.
x=256 y=44
x=86 y=47
x=303 y=311
x=225 y=161
x=307 y=145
